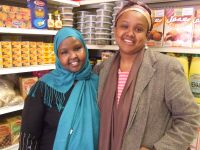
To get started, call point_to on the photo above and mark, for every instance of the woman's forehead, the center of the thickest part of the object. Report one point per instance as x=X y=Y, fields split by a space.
x=133 y=17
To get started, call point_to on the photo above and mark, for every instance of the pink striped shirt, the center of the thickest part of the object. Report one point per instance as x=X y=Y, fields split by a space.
x=122 y=78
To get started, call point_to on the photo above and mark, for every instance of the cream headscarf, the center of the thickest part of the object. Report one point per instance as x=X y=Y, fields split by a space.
x=140 y=9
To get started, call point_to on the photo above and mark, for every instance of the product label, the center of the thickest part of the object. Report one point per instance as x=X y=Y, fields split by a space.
x=195 y=85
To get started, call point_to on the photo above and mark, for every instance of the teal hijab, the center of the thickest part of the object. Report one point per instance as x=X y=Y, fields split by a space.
x=78 y=127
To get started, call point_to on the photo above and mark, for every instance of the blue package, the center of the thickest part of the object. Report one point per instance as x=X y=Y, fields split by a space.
x=38 y=13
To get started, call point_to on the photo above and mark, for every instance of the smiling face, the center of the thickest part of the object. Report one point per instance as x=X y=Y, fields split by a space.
x=72 y=54
x=131 y=32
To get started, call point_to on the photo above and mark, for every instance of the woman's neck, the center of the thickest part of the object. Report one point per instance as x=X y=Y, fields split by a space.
x=126 y=62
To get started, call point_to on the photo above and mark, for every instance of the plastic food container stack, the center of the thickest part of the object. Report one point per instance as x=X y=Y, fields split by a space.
x=89 y=29
x=66 y=16
x=80 y=20
x=104 y=23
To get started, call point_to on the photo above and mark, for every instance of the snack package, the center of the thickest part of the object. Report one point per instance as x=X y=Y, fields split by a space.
x=5 y=135
x=25 y=84
x=39 y=14
x=156 y=34
x=15 y=125
x=178 y=27
x=7 y=92
x=196 y=31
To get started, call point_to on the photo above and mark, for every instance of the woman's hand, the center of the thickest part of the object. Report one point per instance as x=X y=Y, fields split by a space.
x=144 y=148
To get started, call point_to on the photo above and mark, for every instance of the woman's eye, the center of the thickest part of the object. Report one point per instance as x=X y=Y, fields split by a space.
x=64 y=52
x=139 y=30
x=124 y=26
x=78 y=48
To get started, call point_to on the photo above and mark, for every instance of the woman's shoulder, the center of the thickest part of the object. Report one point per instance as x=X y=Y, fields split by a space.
x=98 y=67
x=161 y=58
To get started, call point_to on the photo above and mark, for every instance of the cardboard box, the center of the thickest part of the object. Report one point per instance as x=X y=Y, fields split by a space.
x=178 y=29
x=196 y=31
x=5 y=135
x=156 y=34
x=25 y=84
x=15 y=126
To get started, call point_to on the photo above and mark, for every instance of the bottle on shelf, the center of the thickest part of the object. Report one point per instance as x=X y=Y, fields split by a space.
x=194 y=77
x=50 y=22
x=58 y=22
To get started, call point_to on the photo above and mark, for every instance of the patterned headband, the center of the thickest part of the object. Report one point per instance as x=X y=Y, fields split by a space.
x=140 y=9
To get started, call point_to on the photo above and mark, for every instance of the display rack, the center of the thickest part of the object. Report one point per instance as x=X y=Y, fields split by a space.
x=64 y=2
x=89 y=2
x=188 y=50
x=14 y=70
x=8 y=109
x=27 y=31
x=54 y=2
x=12 y=147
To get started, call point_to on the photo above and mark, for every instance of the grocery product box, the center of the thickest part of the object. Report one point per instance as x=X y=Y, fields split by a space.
x=16 y=54
x=25 y=53
x=40 y=53
x=15 y=125
x=1 y=57
x=156 y=34
x=196 y=31
x=25 y=84
x=15 y=17
x=38 y=13
x=6 y=54
x=33 y=53
x=178 y=28
x=5 y=135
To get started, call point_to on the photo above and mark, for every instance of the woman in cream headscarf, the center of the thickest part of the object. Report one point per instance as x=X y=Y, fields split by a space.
x=144 y=96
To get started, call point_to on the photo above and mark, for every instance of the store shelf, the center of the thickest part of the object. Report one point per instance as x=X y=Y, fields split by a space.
x=88 y=2
x=177 y=50
x=103 y=47
x=55 y=2
x=64 y=2
x=26 y=69
x=160 y=49
x=13 y=147
x=27 y=31
x=8 y=109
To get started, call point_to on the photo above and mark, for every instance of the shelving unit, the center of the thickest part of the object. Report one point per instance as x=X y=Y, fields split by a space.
x=63 y=2
x=188 y=50
x=14 y=70
x=13 y=147
x=8 y=109
x=27 y=31
x=37 y=32
x=89 y=2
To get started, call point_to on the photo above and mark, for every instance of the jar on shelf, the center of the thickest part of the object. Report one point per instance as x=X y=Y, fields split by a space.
x=58 y=22
x=50 y=22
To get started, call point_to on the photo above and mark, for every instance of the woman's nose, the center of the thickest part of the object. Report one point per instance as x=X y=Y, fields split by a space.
x=73 y=55
x=130 y=32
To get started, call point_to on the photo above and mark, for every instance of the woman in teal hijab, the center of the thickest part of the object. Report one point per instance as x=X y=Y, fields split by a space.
x=61 y=111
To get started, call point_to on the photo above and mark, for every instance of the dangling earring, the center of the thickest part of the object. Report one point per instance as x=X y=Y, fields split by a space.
x=145 y=46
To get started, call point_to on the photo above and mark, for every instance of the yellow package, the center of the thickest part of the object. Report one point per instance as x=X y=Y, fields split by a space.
x=5 y=135
x=15 y=125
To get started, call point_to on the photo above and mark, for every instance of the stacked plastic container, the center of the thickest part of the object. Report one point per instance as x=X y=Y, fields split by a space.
x=104 y=23
x=66 y=16
x=118 y=6
x=89 y=29
x=80 y=24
